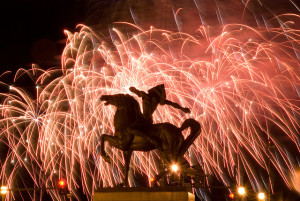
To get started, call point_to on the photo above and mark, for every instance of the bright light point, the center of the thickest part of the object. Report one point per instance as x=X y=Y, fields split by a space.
x=61 y=183
x=152 y=180
x=261 y=196
x=12 y=161
x=10 y=87
x=37 y=86
x=25 y=159
x=174 y=168
x=231 y=195
x=4 y=190
x=241 y=191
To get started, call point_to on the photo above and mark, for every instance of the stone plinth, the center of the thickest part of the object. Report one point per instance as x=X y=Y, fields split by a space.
x=144 y=194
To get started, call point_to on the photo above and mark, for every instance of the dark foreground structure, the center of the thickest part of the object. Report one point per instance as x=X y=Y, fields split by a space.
x=170 y=193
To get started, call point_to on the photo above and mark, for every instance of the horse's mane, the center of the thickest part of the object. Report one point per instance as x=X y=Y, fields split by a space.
x=131 y=102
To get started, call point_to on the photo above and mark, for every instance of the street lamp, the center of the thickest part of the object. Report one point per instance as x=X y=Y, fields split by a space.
x=261 y=196
x=174 y=168
x=3 y=192
x=241 y=191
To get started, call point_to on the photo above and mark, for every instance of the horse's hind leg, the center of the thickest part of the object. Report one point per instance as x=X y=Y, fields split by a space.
x=127 y=157
x=113 y=141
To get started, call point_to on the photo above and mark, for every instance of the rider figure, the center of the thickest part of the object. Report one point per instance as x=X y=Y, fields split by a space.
x=152 y=99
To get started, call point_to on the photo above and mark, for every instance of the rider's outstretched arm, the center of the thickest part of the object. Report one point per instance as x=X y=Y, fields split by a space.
x=177 y=106
x=137 y=92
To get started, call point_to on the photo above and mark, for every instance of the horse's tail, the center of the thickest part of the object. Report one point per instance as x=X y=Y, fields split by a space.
x=195 y=132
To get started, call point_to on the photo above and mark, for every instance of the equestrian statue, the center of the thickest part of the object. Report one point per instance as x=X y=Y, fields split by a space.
x=135 y=131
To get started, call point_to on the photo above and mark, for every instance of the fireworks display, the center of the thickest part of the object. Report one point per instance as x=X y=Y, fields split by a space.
x=240 y=82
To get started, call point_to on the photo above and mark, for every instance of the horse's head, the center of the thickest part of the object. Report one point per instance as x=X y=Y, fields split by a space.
x=108 y=99
x=120 y=101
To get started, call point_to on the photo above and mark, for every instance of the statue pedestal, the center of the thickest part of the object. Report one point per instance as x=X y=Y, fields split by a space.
x=144 y=194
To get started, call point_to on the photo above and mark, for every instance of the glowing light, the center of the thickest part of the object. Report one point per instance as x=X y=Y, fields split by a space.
x=261 y=196
x=61 y=183
x=241 y=191
x=174 y=168
x=296 y=180
x=4 y=190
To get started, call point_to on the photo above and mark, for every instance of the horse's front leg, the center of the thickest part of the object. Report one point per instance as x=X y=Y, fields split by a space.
x=112 y=140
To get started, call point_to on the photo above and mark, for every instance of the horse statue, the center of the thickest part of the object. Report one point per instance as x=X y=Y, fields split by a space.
x=165 y=137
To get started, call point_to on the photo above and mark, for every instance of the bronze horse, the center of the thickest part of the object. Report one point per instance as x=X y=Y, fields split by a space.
x=163 y=136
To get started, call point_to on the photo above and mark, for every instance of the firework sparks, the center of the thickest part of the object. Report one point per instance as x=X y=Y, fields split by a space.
x=242 y=84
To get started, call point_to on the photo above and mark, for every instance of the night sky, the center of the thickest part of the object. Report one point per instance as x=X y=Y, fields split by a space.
x=32 y=30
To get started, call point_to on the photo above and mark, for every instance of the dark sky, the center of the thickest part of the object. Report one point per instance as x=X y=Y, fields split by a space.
x=29 y=26
x=32 y=30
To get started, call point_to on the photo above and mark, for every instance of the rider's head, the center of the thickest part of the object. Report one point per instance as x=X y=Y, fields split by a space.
x=158 y=92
